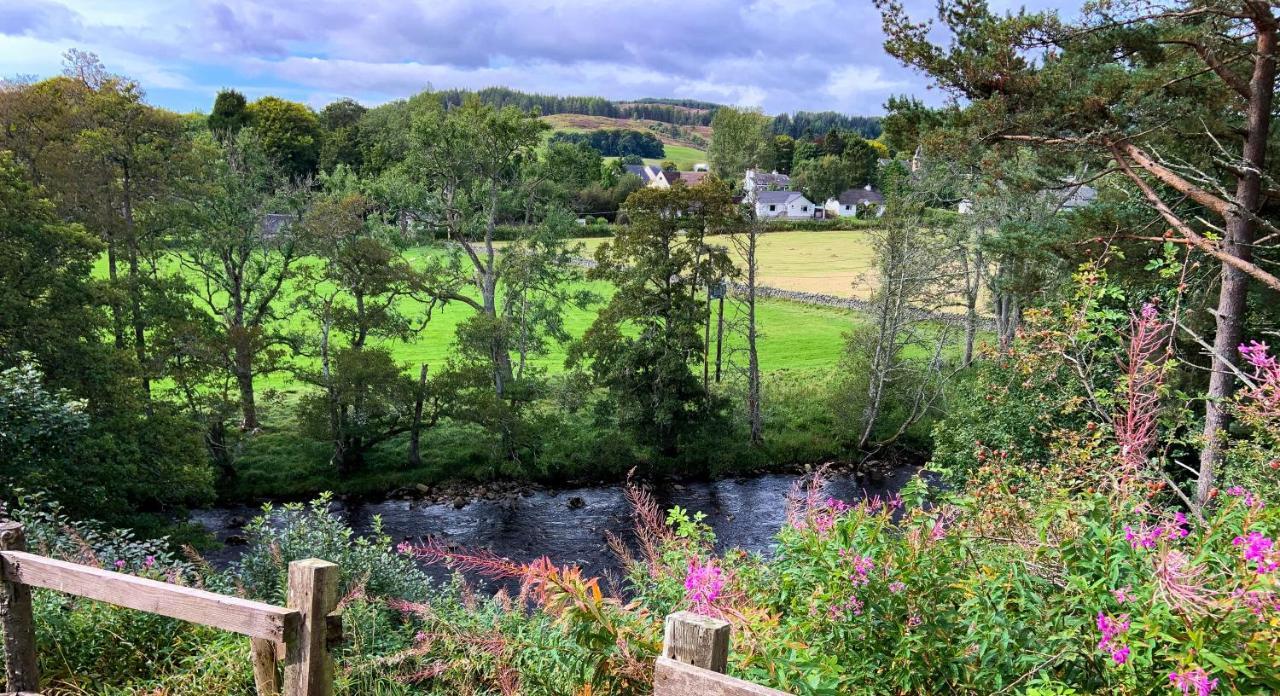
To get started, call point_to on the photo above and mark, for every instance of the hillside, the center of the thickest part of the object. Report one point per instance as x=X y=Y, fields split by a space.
x=684 y=145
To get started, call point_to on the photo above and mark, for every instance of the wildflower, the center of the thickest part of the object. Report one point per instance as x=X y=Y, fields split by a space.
x=1257 y=601
x=1258 y=355
x=1250 y=500
x=1122 y=595
x=853 y=605
x=897 y=586
x=1257 y=548
x=119 y=563
x=914 y=620
x=404 y=548
x=862 y=566
x=1149 y=311
x=1180 y=583
x=1193 y=681
x=419 y=637
x=149 y=562
x=703 y=584
x=1111 y=630
x=836 y=505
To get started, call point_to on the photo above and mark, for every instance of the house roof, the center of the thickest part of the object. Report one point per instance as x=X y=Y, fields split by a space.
x=691 y=178
x=1077 y=197
x=768 y=178
x=275 y=223
x=644 y=171
x=859 y=196
x=779 y=197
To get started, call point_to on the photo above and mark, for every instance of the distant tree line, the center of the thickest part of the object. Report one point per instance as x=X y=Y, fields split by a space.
x=809 y=124
x=616 y=142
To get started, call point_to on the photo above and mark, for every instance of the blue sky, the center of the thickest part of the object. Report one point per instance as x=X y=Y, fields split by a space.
x=780 y=55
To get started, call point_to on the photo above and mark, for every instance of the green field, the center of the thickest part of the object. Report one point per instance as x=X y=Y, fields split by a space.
x=794 y=336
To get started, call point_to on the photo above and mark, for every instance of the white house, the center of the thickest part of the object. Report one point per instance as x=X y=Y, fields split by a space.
x=783 y=204
x=854 y=201
x=756 y=181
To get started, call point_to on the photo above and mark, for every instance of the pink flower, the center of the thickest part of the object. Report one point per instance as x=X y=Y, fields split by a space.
x=119 y=563
x=404 y=548
x=1149 y=311
x=1250 y=500
x=149 y=562
x=1258 y=355
x=1257 y=548
x=1193 y=679
x=914 y=620
x=703 y=584
x=1112 y=629
x=897 y=586
x=1122 y=595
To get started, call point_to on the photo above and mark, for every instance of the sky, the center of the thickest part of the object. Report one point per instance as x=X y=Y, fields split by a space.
x=779 y=55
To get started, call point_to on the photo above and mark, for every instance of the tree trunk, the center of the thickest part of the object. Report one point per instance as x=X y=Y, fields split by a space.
x=754 y=418
x=415 y=429
x=1238 y=241
x=135 y=289
x=243 y=369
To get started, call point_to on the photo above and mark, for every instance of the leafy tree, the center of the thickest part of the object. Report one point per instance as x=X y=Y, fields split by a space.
x=644 y=343
x=906 y=119
x=290 y=134
x=354 y=294
x=827 y=177
x=239 y=262
x=784 y=151
x=340 y=145
x=230 y=113
x=1177 y=95
x=739 y=141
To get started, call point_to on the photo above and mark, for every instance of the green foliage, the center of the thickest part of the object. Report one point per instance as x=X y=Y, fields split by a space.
x=230 y=113
x=290 y=133
x=830 y=175
x=739 y=141
x=646 y=340
x=614 y=142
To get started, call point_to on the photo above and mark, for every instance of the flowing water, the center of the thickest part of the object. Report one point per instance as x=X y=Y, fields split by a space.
x=570 y=525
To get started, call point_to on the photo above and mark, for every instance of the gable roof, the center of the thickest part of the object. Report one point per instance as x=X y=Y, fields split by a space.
x=275 y=223
x=644 y=171
x=779 y=197
x=768 y=178
x=860 y=196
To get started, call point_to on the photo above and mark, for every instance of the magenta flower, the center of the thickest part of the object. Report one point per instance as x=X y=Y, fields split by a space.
x=1250 y=500
x=1195 y=681
x=1258 y=355
x=897 y=586
x=119 y=563
x=1257 y=548
x=1149 y=311
x=404 y=548
x=703 y=585
x=1112 y=629
x=1122 y=595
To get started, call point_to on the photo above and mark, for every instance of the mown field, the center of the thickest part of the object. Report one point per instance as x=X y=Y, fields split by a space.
x=682 y=153
x=839 y=263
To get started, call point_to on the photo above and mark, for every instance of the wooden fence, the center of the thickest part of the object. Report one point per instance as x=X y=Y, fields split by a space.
x=695 y=648
x=299 y=635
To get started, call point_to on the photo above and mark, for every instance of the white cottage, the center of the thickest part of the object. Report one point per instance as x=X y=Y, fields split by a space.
x=756 y=181
x=791 y=205
x=856 y=201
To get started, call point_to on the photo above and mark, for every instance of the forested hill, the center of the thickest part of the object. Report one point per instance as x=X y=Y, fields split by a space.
x=684 y=112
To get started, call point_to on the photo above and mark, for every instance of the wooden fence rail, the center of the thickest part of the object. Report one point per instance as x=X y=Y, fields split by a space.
x=300 y=635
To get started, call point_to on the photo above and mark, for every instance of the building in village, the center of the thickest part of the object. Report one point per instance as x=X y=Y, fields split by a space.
x=790 y=205
x=856 y=201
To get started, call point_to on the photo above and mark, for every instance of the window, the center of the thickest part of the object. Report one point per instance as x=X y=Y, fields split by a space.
x=804 y=208
x=773 y=208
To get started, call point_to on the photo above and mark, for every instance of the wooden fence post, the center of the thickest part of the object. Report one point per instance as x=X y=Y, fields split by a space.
x=697 y=640
x=313 y=591
x=262 y=653
x=22 y=673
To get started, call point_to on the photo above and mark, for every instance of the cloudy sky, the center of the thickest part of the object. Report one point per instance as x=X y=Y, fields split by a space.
x=781 y=55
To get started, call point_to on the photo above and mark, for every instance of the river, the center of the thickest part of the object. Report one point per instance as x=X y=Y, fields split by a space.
x=569 y=525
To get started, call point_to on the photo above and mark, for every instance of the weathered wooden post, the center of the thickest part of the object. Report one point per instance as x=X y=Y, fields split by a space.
x=313 y=591
x=22 y=673
x=697 y=640
x=262 y=653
